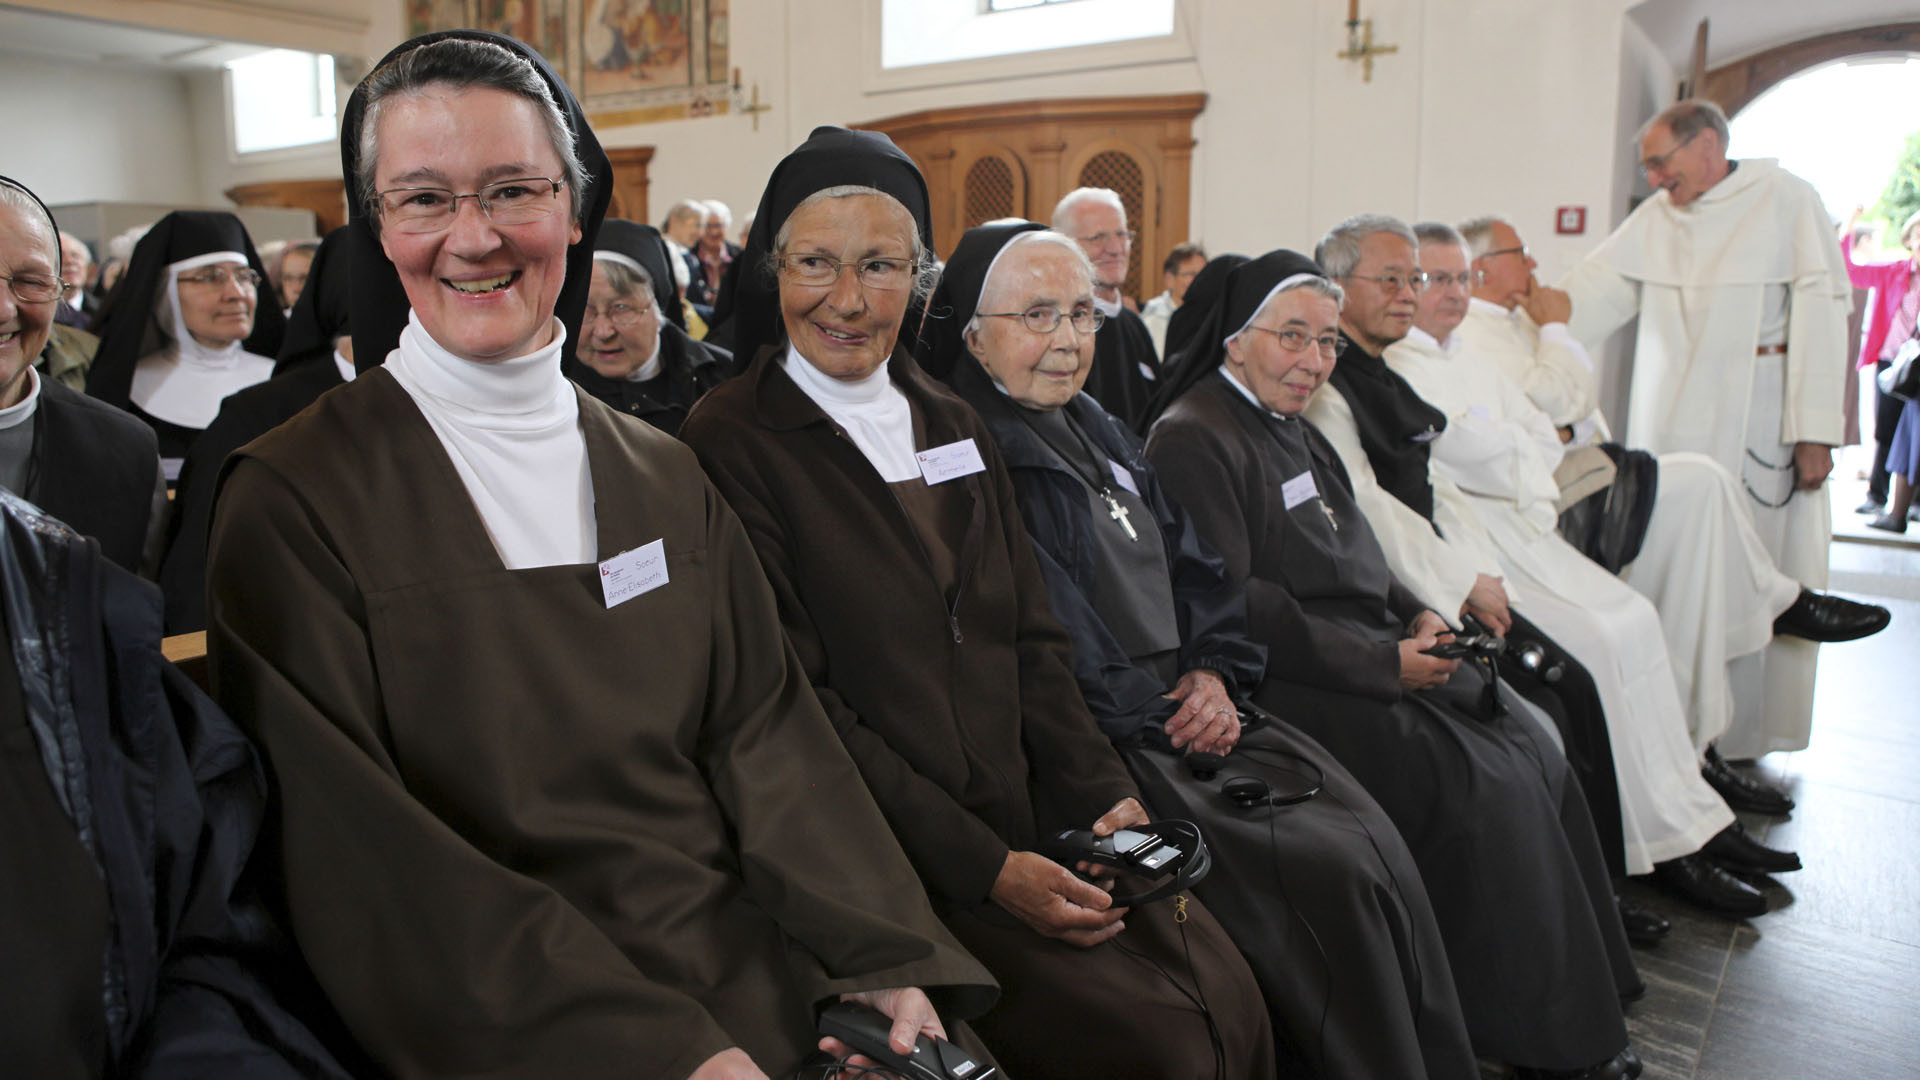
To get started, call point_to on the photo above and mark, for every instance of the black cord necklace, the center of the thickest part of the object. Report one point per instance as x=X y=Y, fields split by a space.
x=1100 y=485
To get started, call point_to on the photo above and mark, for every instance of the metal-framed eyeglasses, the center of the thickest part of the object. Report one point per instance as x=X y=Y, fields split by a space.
x=1658 y=162
x=1497 y=252
x=519 y=201
x=1045 y=319
x=819 y=271
x=35 y=290
x=221 y=276
x=1294 y=340
x=622 y=313
x=1393 y=283
x=1442 y=279
x=1100 y=240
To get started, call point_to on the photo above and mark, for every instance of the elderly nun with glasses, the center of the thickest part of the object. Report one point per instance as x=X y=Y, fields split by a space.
x=887 y=523
x=555 y=799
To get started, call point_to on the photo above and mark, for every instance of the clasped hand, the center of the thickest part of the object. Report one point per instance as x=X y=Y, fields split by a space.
x=1418 y=671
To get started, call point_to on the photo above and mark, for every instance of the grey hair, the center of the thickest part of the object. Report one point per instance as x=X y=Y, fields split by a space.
x=627 y=281
x=716 y=208
x=1065 y=207
x=1478 y=233
x=21 y=200
x=1338 y=252
x=925 y=270
x=1036 y=236
x=681 y=209
x=1438 y=232
x=1907 y=226
x=1685 y=119
x=85 y=248
x=462 y=64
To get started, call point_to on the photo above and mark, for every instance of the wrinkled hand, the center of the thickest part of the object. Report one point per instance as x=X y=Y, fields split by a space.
x=1418 y=671
x=1812 y=462
x=1047 y=897
x=912 y=1016
x=1546 y=304
x=729 y=1064
x=1207 y=720
x=1487 y=601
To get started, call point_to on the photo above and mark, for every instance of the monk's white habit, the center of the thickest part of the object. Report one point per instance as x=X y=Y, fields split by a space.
x=1500 y=452
x=1751 y=264
x=1701 y=563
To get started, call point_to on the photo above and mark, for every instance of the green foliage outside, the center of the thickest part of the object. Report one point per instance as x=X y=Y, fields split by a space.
x=1902 y=195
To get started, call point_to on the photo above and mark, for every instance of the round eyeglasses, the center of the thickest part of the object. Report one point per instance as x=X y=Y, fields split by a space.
x=34 y=290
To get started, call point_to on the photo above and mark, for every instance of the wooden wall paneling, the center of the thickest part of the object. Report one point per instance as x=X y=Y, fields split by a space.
x=326 y=198
x=629 y=182
x=1125 y=168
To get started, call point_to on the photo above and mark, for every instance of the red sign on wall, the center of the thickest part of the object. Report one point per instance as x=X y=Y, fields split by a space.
x=1570 y=220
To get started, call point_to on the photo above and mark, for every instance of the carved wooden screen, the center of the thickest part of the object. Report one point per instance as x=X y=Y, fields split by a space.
x=1018 y=158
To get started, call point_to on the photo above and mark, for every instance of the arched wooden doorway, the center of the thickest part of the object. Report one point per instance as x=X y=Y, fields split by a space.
x=1734 y=86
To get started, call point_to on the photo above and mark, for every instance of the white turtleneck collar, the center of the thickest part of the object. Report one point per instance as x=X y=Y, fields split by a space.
x=512 y=429
x=345 y=366
x=21 y=411
x=872 y=411
x=651 y=368
x=1242 y=389
x=1421 y=339
x=185 y=383
x=1109 y=308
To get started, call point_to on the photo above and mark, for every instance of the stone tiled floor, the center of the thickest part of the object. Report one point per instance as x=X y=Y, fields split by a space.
x=1827 y=984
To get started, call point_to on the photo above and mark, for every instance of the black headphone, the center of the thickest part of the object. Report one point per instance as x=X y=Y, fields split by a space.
x=1248 y=792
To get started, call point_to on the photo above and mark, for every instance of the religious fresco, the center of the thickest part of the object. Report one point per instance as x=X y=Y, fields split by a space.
x=630 y=61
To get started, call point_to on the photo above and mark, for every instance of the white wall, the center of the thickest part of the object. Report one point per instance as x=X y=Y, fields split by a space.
x=86 y=132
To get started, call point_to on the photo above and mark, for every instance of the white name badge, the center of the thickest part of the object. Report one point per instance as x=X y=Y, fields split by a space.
x=1124 y=478
x=950 y=462
x=632 y=572
x=1426 y=436
x=1479 y=412
x=1299 y=490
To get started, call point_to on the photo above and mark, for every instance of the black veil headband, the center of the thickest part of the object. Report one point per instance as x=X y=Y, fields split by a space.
x=379 y=304
x=1229 y=298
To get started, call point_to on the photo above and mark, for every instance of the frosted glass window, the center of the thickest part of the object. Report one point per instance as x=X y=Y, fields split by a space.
x=915 y=32
x=281 y=98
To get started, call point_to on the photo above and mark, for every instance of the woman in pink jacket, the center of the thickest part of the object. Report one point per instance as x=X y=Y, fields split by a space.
x=1890 y=321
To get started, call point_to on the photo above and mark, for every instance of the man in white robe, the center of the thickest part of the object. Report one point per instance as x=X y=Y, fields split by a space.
x=1740 y=355
x=1701 y=562
x=1669 y=814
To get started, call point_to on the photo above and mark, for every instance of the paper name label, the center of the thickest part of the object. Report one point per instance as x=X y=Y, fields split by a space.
x=1479 y=412
x=1299 y=490
x=632 y=572
x=950 y=462
x=1426 y=436
x=1124 y=478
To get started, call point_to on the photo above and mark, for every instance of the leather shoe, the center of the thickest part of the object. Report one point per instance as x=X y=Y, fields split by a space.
x=1825 y=617
x=1699 y=881
x=1735 y=849
x=1743 y=792
x=1624 y=1065
x=1892 y=523
x=1642 y=925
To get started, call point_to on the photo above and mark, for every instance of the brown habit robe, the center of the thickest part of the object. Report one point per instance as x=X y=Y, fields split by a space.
x=960 y=706
x=522 y=834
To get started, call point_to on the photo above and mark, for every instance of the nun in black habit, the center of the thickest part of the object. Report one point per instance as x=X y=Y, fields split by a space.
x=186 y=328
x=315 y=357
x=630 y=356
x=1322 y=896
x=1496 y=822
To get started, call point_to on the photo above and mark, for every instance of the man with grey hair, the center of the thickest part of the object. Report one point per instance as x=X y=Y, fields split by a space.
x=1125 y=362
x=77 y=308
x=1740 y=354
x=1521 y=325
x=713 y=254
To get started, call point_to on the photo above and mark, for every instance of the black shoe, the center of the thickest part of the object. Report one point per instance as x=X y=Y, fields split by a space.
x=1871 y=506
x=1735 y=849
x=1742 y=792
x=1888 y=523
x=1642 y=925
x=1700 y=882
x=1624 y=1065
x=1825 y=617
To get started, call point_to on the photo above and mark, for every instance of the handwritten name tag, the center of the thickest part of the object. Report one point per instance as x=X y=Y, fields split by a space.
x=950 y=462
x=1122 y=477
x=1299 y=490
x=632 y=572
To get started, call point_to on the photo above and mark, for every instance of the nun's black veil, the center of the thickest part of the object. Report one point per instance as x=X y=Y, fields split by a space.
x=1231 y=296
x=130 y=329
x=831 y=157
x=320 y=315
x=379 y=304
x=942 y=344
x=644 y=245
